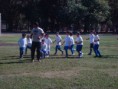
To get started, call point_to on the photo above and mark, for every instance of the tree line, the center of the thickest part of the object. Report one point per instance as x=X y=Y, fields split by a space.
x=59 y=15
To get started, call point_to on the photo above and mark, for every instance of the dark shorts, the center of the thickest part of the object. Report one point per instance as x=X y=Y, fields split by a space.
x=79 y=48
x=91 y=45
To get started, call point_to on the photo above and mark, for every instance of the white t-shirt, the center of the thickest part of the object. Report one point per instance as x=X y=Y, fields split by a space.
x=44 y=46
x=22 y=42
x=96 y=38
x=36 y=33
x=91 y=36
x=58 y=40
x=67 y=41
x=29 y=42
x=79 y=39
x=48 y=41
x=72 y=40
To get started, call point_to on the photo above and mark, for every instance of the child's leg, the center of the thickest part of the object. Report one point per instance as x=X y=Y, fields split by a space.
x=81 y=54
x=56 y=49
x=79 y=50
x=59 y=48
x=26 y=49
x=95 y=50
x=91 y=47
x=22 y=50
x=98 y=52
x=72 y=49
x=66 y=50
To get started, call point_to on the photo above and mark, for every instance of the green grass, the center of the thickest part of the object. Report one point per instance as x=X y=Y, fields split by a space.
x=58 y=72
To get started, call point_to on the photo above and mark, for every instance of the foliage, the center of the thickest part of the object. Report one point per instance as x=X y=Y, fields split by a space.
x=51 y=13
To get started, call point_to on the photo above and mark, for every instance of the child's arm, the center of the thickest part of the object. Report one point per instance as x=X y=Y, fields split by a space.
x=63 y=42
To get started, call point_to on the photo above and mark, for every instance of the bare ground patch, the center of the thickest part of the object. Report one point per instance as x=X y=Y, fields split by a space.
x=8 y=44
x=67 y=74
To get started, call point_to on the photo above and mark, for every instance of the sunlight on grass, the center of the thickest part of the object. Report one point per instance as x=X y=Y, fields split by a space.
x=58 y=72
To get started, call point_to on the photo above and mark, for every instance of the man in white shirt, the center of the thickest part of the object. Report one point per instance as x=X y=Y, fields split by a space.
x=79 y=44
x=36 y=44
x=22 y=42
x=67 y=42
x=91 y=38
x=48 y=41
x=58 y=40
x=96 y=45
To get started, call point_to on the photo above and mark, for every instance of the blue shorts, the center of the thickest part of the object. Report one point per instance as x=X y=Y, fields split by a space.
x=58 y=47
x=66 y=47
x=79 y=48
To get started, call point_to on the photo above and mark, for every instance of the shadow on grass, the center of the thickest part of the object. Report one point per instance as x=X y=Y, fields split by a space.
x=27 y=59
x=109 y=56
x=17 y=62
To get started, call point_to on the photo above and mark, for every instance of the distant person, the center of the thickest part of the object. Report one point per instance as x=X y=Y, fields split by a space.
x=79 y=44
x=36 y=41
x=43 y=48
x=48 y=41
x=72 y=43
x=67 y=43
x=91 y=38
x=58 y=41
x=29 y=43
x=22 y=42
x=96 y=45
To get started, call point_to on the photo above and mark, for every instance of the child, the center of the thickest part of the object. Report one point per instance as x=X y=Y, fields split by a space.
x=22 y=45
x=58 y=43
x=96 y=45
x=91 y=38
x=29 y=43
x=67 y=42
x=48 y=42
x=43 y=48
x=72 y=43
x=79 y=43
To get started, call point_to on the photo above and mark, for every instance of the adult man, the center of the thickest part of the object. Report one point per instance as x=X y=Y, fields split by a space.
x=36 y=43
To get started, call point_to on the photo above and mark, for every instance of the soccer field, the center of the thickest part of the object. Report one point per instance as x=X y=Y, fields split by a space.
x=58 y=72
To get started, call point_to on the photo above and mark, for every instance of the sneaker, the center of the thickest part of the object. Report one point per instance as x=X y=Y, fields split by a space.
x=81 y=55
x=39 y=60
x=89 y=53
x=32 y=60
x=47 y=56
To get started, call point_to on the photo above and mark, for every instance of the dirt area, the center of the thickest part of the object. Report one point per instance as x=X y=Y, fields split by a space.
x=8 y=44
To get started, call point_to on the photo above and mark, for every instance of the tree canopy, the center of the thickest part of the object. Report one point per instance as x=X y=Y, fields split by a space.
x=55 y=14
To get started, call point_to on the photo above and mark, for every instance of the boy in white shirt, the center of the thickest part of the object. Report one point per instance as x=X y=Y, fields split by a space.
x=72 y=43
x=67 y=42
x=96 y=45
x=43 y=48
x=29 y=43
x=48 y=41
x=58 y=40
x=22 y=42
x=91 y=38
x=79 y=44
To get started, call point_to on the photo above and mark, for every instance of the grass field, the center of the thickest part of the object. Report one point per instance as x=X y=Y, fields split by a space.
x=57 y=72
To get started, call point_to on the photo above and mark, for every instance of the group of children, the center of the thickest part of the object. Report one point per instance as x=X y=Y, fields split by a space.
x=26 y=43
